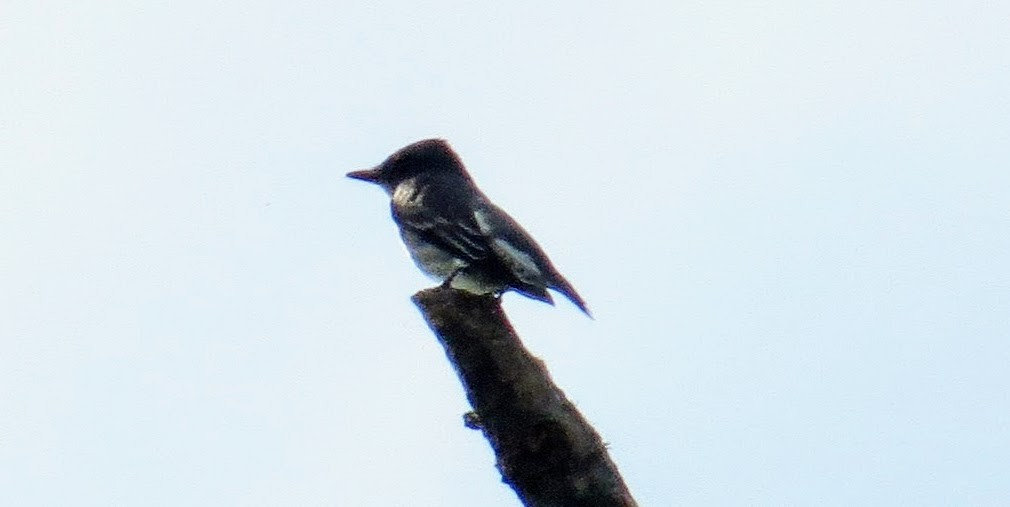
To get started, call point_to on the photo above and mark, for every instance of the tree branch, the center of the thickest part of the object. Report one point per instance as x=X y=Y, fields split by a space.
x=546 y=451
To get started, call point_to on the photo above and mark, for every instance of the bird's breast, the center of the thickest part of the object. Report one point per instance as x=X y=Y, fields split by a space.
x=440 y=265
x=433 y=260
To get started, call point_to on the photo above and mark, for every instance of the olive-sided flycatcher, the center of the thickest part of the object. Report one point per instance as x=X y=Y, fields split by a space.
x=455 y=233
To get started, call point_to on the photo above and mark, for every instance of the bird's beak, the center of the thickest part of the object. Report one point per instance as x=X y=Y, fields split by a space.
x=370 y=175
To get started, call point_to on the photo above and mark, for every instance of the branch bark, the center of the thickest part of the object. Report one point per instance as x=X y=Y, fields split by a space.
x=546 y=451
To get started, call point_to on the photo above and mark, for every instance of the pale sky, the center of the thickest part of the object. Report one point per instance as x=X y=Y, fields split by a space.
x=791 y=221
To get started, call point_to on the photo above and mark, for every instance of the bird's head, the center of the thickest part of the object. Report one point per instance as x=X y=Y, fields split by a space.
x=432 y=156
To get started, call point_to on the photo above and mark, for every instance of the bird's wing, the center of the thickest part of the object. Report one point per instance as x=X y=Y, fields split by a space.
x=520 y=253
x=456 y=233
x=512 y=245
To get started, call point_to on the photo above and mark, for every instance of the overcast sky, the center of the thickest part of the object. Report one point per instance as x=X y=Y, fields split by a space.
x=791 y=221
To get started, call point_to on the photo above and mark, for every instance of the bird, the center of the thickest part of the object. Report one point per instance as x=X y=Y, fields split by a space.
x=455 y=234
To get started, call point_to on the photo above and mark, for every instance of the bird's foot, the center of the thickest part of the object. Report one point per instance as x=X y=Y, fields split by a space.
x=448 y=280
